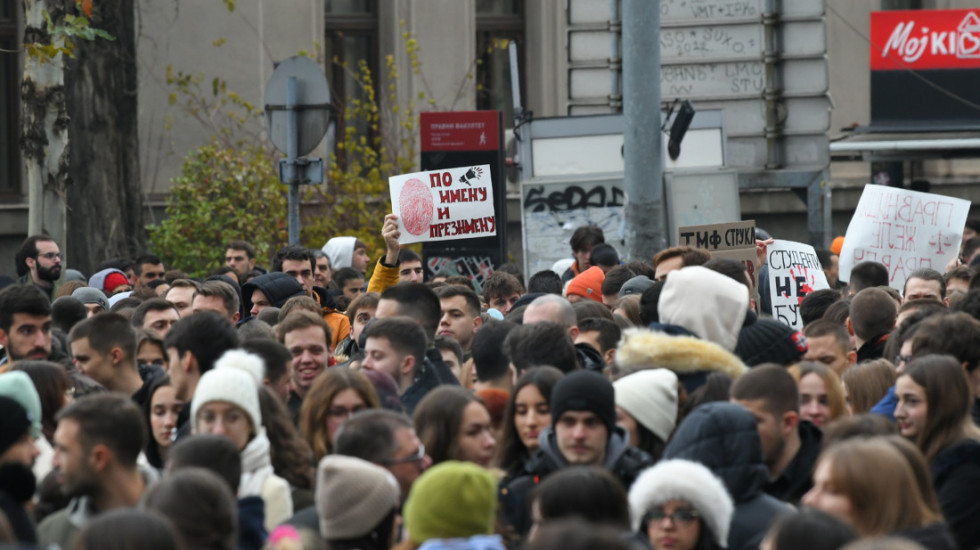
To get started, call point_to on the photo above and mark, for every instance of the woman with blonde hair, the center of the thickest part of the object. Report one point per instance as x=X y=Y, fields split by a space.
x=866 y=383
x=933 y=411
x=821 y=394
x=870 y=485
x=336 y=394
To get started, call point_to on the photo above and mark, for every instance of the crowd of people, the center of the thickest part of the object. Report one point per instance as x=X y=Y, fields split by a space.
x=324 y=402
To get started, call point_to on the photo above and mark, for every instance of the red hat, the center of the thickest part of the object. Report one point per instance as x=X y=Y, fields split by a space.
x=113 y=281
x=588 y=284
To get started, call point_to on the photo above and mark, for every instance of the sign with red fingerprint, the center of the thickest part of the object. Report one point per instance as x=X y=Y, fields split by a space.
x=794 y=272
x=443 y=205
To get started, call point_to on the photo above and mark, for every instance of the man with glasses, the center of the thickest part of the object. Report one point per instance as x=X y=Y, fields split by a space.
x=39 y=262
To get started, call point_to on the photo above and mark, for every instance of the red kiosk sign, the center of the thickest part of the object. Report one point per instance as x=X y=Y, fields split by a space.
x=925 y=39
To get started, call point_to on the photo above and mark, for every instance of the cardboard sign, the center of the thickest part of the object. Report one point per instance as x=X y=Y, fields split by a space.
x=904 y=230
x=443 y=205
x=794 y=272
x=732 y=240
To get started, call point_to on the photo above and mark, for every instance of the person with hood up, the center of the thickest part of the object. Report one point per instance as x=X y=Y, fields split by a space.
x=691 y=497
x=723 y=437
x=347 y=252
x=269 y=290
x=706 y=303
x=583 y=432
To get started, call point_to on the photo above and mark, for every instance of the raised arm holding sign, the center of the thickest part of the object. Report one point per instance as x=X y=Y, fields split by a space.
x=442 y=205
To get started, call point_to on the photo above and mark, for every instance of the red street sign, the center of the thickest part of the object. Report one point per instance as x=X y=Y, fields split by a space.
x=925 y=39
x=460 y=131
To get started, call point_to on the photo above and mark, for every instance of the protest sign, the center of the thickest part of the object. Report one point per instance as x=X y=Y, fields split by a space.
x=904 y=230
x=794 y=272
x=732 y=240
x=442 y=205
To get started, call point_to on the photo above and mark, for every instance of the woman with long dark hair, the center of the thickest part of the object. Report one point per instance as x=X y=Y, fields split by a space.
x=933 y=411
x=527 y=414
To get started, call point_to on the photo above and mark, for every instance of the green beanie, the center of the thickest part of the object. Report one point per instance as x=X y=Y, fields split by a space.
x=18 y=386
x=451 y=500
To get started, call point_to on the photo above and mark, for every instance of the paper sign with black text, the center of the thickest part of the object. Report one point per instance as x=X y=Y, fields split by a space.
x=794 y=272
x=731 y=240
x=904 y=230
x=441 y=205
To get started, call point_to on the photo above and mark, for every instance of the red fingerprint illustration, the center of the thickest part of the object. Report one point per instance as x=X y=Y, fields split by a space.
x=415 y=202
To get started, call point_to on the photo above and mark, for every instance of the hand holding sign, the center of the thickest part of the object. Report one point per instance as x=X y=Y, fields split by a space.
x=443 y=204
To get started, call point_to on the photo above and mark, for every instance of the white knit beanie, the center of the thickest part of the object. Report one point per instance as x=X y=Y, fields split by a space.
x=236 y=386
x=243 y=360
x=353 y=496
x=684 y=480
x=650 y=397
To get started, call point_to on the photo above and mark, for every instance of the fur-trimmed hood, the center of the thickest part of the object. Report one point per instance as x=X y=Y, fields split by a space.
x=684 y=480
x=642 y=349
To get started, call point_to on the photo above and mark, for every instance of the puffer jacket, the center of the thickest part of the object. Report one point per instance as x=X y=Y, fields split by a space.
x=724 y=438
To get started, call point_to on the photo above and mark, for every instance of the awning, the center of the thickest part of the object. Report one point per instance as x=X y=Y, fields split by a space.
x=874 y=147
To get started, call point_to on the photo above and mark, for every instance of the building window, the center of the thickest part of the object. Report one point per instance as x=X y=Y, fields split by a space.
x=9 y=102
x=351 y=29
x=498 y=22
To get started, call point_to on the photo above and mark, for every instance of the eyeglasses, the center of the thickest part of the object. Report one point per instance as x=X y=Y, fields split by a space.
x=417 y=457
x=899 y=359
x=50 y=255
x=681 y=515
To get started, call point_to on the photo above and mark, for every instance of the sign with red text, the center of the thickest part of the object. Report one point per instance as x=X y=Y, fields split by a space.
x=794 y=272
x=904 y=230
x=443 y=205
x=925 y=39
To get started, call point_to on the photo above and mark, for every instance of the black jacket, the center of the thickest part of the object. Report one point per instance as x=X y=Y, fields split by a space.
x=251 y=523
x=624 y=461
x=872 y=349
x=956 y=477
x=277 y=287
x=797 y=478
x=724 y=438
x=589 y=358
x=432 y=373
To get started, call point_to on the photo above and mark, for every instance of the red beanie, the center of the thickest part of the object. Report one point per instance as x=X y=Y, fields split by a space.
x=588 y=284
x=114 y=280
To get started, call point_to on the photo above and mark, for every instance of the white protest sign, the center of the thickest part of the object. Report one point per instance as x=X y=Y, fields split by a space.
x=794 y=272
x=443 y=205
x=904 y=230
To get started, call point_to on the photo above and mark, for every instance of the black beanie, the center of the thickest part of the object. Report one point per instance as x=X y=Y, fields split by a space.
x=14 y=423
x=769 y=341
x=584 y=390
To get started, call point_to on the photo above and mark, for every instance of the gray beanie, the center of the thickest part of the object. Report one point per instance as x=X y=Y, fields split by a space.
x=353 y=496
x=89 y=295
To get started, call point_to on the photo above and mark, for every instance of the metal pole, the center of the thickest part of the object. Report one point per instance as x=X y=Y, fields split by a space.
x=292 y=150
x=645 y=213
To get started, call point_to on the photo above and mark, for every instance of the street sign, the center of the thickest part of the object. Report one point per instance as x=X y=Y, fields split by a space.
x=312 y=104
